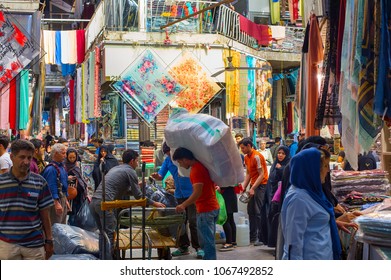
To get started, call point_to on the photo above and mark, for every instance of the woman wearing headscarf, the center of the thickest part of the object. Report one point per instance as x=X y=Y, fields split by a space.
x=108 y=161
x=75 y=177
x=271 y=212
x=307 y=217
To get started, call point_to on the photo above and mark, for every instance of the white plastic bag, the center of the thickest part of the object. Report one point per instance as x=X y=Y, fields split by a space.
x=211 y=142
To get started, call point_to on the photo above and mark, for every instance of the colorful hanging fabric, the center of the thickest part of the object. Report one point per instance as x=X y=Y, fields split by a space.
x=84 y=93
x=17 y=90
x=251 y=104
x=78 y=95
x=200 y=88
x=4 y=108
x=275 y=11
x=243 y=86
x=294 y=10
x=58 y=48
x=261 y=33
x=12 y=102
x=49 y=46
x=382 y=105
x=232 y=83
x=24 y=100
x=368 y=122
x=97 y=89
x=72 y=101
x=91 y=84
x=81 y=45
x=68 y=47
x=263 y=91
x=147 y=86
x=315 y=56
x=328 y=111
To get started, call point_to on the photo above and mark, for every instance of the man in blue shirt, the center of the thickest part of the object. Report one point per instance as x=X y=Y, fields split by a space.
x=183 y=190
x=57 y=179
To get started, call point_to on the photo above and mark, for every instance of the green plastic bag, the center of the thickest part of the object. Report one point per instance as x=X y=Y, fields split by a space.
x=222 y=218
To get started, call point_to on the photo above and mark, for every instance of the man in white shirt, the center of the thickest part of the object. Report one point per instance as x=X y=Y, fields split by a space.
x=265 y=152
x=5 y=160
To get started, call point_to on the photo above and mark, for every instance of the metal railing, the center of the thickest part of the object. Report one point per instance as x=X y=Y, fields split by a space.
x=150 y=15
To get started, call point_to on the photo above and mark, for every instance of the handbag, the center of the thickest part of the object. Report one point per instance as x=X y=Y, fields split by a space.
x=72 y=189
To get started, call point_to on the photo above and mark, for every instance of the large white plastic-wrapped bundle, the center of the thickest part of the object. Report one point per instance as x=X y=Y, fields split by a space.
x=211 y=142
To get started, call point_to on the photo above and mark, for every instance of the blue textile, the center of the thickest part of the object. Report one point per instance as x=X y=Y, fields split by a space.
x=183 y=186
x=305 y=168
x=58 y=48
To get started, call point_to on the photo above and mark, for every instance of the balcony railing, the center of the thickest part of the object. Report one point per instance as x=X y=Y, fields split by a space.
x=151 y=15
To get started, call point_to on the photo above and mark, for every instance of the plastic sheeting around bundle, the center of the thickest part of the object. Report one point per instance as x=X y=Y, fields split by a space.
x=73 y=240
x=73 y=257
x=211 y=142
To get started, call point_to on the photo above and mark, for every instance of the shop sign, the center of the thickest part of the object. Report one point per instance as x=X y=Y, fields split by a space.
x=16 y=49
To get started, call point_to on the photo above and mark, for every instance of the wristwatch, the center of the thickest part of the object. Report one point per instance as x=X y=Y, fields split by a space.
x=48 y=241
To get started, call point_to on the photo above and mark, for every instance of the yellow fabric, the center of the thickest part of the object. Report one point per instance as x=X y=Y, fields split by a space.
x=263 y=91
x=275 y=12
x=232 y=83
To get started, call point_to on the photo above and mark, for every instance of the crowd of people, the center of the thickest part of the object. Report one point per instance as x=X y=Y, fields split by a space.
x=291 y=206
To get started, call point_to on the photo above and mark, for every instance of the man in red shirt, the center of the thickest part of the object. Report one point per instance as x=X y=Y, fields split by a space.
x=256 y=176
x=204 y=197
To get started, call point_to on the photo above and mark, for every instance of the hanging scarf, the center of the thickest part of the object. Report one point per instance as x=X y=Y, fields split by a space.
x=305 y=174
x=251 y=103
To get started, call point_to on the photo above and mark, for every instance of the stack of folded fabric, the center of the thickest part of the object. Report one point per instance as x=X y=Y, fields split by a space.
x=375 y=228
x=367 y=184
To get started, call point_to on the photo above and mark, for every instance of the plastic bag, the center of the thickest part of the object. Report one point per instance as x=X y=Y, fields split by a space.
x=222 y=218
x=84 y=218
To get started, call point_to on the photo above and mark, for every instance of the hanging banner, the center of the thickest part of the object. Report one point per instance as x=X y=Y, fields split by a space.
x=147 y=86
x=17 y=50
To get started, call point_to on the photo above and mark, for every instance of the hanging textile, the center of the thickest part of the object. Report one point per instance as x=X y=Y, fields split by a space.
x=72 y=101
x=348 y=97
x=81 y=45
x=369 y=124
x=263 y=91
x=328 y=111
x=261 y=33
x=68 y=47
x=232 y=83
x=58 y=48
x=275 y=11
x=24 y=100
x=12 y=101
x=383 y=87
x=4 y=108
x=97 y=89
x=91 y=85
x=294 y=10
x=49 y=39
x=84 y=93
x=17 y=90
x=147 y=86
x=315 y=56
x=199 y=87
x=251 y=104
x=243 y=86
x=78 y=96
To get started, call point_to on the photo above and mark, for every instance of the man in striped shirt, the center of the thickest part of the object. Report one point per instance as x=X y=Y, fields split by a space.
x=25 y=201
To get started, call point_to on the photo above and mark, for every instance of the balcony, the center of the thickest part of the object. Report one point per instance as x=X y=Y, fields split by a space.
x=146 y=17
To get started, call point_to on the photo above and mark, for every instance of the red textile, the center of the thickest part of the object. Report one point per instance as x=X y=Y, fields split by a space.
x=289 y=117
x=12 y=102
x=81 y=45
x=72 y=101
x=258 y=31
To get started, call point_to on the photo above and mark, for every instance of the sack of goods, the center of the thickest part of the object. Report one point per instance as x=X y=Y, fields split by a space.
x=211 y=142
